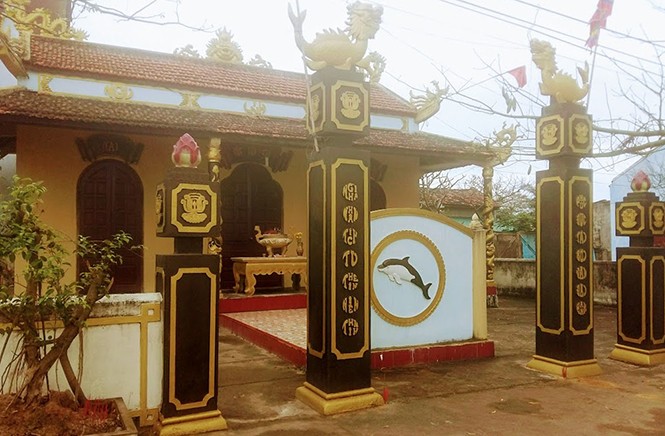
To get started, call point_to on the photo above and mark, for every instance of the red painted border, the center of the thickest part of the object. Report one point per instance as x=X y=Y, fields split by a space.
x=263 y=302
x=273 y=344
x=389 y=358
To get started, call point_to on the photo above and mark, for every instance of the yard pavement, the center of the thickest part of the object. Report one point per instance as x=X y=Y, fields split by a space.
x=484 y=397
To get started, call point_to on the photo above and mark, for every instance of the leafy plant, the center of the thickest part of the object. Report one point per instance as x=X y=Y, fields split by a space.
x=39 y=294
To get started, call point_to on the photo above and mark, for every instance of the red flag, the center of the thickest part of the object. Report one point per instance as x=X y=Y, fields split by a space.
x=519 y=74
x=599 y=21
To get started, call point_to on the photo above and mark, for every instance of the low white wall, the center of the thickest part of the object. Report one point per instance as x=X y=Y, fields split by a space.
x=121 y=354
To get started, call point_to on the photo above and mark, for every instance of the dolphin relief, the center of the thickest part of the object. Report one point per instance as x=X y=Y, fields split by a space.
x=399 y=270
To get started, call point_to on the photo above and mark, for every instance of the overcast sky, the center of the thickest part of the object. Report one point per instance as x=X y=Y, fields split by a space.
x=452 y=41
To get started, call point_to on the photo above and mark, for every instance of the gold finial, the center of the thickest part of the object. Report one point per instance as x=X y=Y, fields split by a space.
x=342 y=49
x=641 y=182
x=562 y=87
x=223 y=48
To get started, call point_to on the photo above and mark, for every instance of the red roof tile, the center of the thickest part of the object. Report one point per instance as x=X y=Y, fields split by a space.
x=203 y=75
x=29 y=107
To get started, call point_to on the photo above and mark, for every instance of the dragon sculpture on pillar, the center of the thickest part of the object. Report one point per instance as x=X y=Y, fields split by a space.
x=341 y=49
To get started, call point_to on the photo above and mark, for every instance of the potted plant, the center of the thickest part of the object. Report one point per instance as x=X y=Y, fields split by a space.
x=40 y=294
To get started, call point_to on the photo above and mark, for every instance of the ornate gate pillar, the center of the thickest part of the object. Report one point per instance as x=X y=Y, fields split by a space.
x=564 y=265
x=338 y=375
x=641 y=277
x=187 y=210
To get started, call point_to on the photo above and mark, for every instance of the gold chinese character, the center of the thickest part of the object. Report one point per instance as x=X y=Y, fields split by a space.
x=350 y=281
x=581 y=308
x=580 y=219
x=581 y=290
x=581 y=272
x=350 y=191
x=350 y=304
x=350 y=214
x=349 y=236
x=581 y=237
x=350 y=258
x=350 y=327
x=581 y=201
x=580 y=255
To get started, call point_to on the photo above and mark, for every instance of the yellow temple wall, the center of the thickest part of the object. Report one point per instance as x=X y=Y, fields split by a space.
x=51 y=155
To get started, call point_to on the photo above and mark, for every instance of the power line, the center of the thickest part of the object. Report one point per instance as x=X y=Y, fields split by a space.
x=608 y=30
x=470 y=7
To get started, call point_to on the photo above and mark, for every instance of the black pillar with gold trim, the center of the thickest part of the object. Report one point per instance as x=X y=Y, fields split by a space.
x=338 y=375
x=564 y=266
x=187 y=210
x=641 y=277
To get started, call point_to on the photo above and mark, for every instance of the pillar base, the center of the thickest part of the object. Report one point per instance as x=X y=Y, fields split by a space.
x=332 y=404
x=638 y=356
x=492 y=295
x=196 y=423
x=578 y=368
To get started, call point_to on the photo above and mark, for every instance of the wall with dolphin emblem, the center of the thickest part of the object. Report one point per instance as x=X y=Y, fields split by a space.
x=422 y=275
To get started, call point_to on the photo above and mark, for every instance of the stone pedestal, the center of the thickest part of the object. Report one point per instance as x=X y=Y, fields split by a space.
x=564 y=294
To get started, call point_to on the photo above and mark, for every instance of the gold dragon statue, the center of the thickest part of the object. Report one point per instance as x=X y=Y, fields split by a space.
x=562 y=87
x=341 y=49
x=427 y=105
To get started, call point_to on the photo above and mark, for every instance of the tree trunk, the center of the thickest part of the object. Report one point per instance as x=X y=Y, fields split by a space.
x=37 y=374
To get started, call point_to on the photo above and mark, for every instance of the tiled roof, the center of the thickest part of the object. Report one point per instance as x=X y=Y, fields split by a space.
x=470 y=197
x=19 y=105
x=129 y=65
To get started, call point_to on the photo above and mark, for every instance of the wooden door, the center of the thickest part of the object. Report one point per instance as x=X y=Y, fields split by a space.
x=250 y=197
x=110 y=199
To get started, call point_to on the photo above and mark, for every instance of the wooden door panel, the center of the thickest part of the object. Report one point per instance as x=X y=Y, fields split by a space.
x=109 y=200
x=249 y=197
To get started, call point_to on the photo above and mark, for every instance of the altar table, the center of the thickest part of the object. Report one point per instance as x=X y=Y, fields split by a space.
x=249 y=267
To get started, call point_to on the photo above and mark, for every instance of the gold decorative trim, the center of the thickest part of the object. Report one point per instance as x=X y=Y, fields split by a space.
x=638 y=356
x=575 y=369
x=191 y=424
x=333 y=254
x=310 y=349
x=619 y=221
x=190 y=100
x=40 y=22
x=656 y=230
x=174 y=208
x=365 y=111
x=172 y=334
x=559 y=135
x=339 y=402
x=257 y=109
x=119 y=91
x=44 y=83
x=418 y=237
x=620 y=296
x=660 y=310
x=317 y=108
x=588 y=263
x=150 y=313
x=562 y=254
x=571 y=133
x=395 y=211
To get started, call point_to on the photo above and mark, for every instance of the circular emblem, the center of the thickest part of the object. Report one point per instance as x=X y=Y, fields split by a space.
x=408 y=278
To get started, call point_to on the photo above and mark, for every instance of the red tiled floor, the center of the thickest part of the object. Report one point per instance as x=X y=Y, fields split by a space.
x=284 y=332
